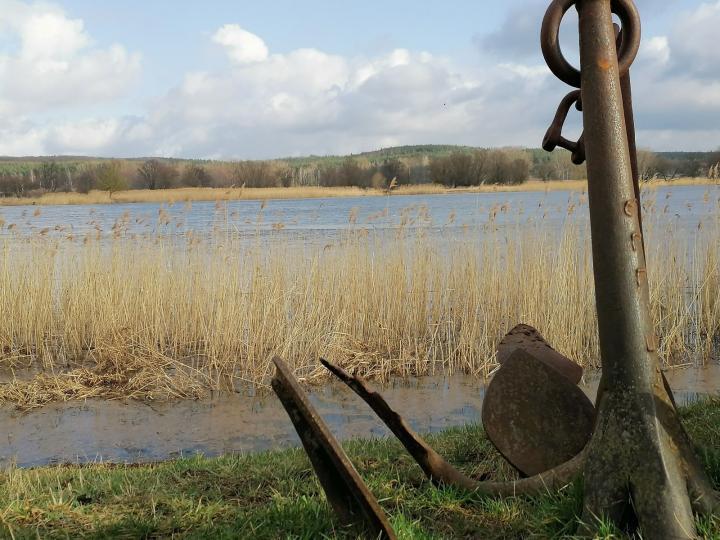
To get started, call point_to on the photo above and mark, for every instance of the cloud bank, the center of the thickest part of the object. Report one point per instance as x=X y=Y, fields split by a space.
x=267 y=104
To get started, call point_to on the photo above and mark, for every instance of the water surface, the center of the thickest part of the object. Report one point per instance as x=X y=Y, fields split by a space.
x=680 y=207
x=118 y=431
x=135 y=431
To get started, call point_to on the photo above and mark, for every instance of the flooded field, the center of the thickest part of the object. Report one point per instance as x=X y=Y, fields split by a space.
x=131 y=431
x=323 y=220
x=162 y=309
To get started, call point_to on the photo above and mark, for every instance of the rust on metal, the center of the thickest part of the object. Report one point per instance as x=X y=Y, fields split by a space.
x=554 y=138
x=534 y=416
x=651 y=342
x=651 y=481
x=626 y=89
x=433 y=464
x=641 y=274
x=630 y=207
x=436 y=468
x=527 y=338
x=346 y=492
x=533 y=411
x=550 y=39
x=627 y=44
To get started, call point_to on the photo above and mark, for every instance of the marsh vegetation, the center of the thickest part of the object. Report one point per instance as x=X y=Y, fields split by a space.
x=114 y=312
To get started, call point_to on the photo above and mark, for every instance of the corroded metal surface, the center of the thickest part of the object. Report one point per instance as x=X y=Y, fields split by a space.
x=533 y=412
x=627 y=47
x=433 y=464
x=347 y=493
x=526 y=337
x=626 y=88
x=440 y=471
x=550 y=39
x=535 y=417
x=634 y=466
x=554 y=137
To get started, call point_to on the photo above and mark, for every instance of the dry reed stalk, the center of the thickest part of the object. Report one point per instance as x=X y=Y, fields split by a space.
x=164 y=318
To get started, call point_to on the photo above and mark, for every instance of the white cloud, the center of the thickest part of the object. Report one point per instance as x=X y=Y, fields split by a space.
x=18 y=137
x=676 y=83
x=310 y=101
x=266 y=104
x=695 y=37
x=55 y=63
x=242 y=46
x=51 y=36
x=655 y=50
x=24 y=137
x=79 y=137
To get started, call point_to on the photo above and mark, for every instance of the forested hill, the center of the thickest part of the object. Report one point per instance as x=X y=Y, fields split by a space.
x=414 y=164
x=400 y=152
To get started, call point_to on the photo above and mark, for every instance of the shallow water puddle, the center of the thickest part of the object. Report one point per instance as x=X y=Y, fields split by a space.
x=117 y=431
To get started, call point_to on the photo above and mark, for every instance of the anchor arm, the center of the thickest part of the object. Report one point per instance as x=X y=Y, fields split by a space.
x=436 y=467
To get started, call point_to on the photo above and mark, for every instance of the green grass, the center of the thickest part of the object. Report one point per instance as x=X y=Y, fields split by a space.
x=276 y=495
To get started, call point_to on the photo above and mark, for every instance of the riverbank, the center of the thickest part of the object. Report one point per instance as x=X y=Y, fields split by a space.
x=307 y=192
x=276 y=495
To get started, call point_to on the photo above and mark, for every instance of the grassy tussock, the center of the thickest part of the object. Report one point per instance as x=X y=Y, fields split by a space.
x=276 y=495
x=160 y=318
x=305 y=192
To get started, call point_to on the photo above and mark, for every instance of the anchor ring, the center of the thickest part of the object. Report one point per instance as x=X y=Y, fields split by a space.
x=550 y=38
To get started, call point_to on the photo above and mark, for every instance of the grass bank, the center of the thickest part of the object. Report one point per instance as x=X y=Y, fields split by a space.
x=276 y=495
x=157 y=317
x=308 y=192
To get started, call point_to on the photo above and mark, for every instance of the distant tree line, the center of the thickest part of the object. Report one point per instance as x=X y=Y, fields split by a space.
x=678 y=165
x=480 y=167
x=447 y=165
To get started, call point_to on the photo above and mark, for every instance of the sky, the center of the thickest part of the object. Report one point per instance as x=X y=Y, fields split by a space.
x=236 y=79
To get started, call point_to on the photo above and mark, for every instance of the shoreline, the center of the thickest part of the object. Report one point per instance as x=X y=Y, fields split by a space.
x=276 y=494
x=176 y=195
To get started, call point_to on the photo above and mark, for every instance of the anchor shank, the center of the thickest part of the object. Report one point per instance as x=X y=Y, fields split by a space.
x=621 y=289
x=633 y=451
x=632 y=146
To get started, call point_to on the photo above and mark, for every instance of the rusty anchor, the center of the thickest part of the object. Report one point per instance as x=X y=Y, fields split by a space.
x=533 y=412
x=535 y=415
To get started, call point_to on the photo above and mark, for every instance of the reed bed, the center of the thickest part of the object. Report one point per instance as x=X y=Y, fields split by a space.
x=302 y=192
x=163 y=317
x=241 y=193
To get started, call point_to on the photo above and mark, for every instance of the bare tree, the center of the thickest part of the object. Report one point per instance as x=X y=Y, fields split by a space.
x=395 y=168
x=254 y=174
x=154 y=174
x=647 y=164
x=51 y=176
x=196 y=175
x=13 y=185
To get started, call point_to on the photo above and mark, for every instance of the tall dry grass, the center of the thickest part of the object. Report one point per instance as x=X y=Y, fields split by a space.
x=186 y=195
x=157 y=318
x=243 y=193
x=302 y=192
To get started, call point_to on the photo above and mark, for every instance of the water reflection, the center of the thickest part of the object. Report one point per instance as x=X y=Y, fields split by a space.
x=132 y=431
